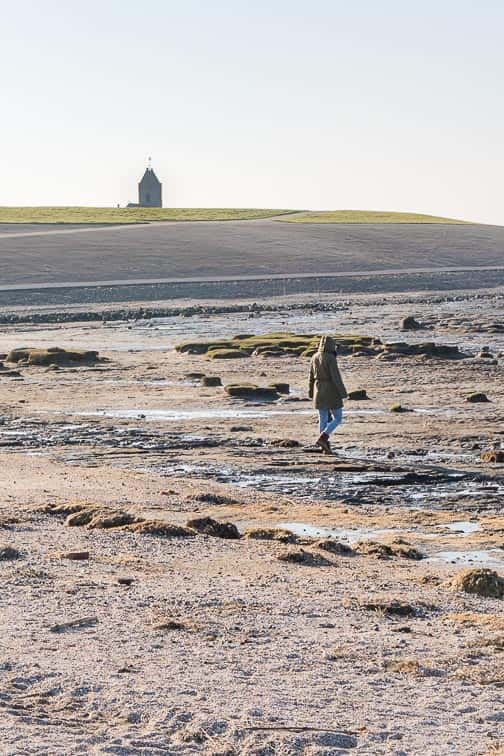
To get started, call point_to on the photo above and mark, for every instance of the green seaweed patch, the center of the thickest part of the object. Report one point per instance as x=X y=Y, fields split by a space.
x=226 y=354
x=52 y=356
x=279 y=344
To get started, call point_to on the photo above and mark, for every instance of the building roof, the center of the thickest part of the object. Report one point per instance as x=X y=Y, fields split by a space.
x=150 y=177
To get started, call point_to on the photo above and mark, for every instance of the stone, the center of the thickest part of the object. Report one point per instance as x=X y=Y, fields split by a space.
x=409 y=323
x=477 y=397
x=358 y=395
x=211 y=380
x=281 y=388
x=251 y=391
x=74 y=556
x=493 y=456
x=8 y=553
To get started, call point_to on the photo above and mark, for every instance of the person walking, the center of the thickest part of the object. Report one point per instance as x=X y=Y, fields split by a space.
x=327 y=390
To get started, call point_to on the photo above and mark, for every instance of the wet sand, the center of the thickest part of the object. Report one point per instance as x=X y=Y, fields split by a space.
x=214 y=645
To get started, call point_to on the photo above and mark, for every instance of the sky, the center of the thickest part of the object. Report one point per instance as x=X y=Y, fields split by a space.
x=387 y=105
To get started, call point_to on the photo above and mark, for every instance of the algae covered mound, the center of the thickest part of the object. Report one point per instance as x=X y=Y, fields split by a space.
x=52 y=356
x=276 y=345
x=305 y=345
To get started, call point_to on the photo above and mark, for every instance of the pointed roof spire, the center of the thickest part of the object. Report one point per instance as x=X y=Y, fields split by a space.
x=149 y=163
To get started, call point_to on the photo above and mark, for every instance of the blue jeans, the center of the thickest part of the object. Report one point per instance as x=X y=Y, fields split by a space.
x=326 y=424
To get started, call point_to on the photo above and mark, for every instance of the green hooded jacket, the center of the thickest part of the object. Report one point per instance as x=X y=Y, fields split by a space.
x=326 y=387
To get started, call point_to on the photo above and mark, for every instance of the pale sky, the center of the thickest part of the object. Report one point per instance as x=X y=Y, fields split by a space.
x=389 y=104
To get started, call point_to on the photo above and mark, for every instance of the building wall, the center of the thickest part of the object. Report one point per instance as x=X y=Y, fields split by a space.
x=150 y=191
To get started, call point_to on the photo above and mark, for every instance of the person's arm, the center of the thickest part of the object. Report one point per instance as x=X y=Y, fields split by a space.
x=336 y=378
x=311 y=382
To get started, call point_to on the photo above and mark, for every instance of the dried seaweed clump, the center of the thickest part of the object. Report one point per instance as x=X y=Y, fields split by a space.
x=335 y=547
x=480 y=581
x=398 y=548
x=209 y=526
x=270 y=534
x=161 y=529
x=301 y=556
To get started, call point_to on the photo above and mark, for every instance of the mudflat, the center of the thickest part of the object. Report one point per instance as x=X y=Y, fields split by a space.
x=184 y=572
x=233 y=249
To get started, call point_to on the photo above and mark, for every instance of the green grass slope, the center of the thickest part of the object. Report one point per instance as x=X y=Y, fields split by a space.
x=103 y=215
x=365 y=216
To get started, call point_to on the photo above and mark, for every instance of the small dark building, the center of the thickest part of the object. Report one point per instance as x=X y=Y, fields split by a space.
x=149 y=190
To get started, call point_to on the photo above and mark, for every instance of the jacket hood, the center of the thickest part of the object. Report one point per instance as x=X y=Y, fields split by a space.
x=327 y=344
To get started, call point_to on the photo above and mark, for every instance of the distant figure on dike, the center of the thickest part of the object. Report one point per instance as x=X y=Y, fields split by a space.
x=327 y=390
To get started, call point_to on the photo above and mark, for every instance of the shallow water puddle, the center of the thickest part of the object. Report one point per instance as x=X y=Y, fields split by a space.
x=462 y=527
x=486 y=557
x=350 y=535
x=205 y=414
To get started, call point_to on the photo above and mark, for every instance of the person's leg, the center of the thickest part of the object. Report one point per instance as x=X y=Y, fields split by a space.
x=323 y=419
x=337 y=418
x=323 y=439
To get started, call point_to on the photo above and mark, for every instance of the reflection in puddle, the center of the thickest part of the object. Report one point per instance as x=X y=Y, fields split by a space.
x=345 y=534
x=205 y=414
x=489 y=557
x=462 y=527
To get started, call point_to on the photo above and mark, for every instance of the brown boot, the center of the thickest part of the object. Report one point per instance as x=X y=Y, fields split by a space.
x=323 y=442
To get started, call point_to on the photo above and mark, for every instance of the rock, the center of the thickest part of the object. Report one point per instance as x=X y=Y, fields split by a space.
x=485 y=354
x=300 y=556
x=358 y=395
x=409 y=323
x=399 y=408
x=281 y=388
x=8 y=553
x=270 y=534
x=286 y=443
x=211 y=380
x=251 y=391
x=74 y=624
x=477 y=397
x=429 y=348
x=214 y=498
x=74 y=556
x=195 y=376
x=125 y=580
x=493 y=456
x=209 y=526
x=481 y=581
